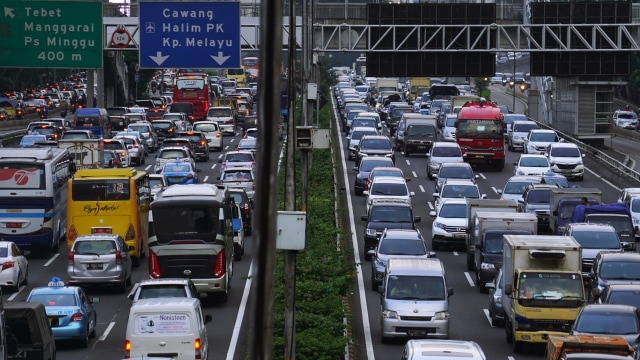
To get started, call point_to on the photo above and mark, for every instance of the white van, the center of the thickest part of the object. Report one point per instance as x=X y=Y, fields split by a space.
x=415 y=299
x=167 y=327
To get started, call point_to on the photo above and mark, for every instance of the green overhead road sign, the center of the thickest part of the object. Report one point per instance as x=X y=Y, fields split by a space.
x=51 y=34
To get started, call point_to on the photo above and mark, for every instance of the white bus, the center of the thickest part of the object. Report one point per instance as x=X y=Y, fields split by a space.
x=33 y=196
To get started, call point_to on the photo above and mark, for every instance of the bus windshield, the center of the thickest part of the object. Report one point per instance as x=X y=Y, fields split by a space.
x=100 y=190
x=190 y=84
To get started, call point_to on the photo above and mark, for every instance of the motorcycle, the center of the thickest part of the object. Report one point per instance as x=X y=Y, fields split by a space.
x=42 y=112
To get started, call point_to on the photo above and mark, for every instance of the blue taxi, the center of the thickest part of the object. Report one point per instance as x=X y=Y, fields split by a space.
x=70 y=311
x=180 y=173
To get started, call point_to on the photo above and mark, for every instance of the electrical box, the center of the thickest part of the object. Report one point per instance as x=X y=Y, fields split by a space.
x=312 y=91
x=291 y=230
x=304 y=137
x=321 y=138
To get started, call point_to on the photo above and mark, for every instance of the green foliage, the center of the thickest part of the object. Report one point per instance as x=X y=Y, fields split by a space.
x=323 y=274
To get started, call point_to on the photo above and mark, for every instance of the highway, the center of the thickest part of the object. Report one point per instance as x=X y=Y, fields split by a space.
x=468 y=307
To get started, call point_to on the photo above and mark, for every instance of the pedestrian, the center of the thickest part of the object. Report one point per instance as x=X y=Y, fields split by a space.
x=584 y=201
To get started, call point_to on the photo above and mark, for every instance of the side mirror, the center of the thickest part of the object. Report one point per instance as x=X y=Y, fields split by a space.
x=355 y=168
x=371 y=253
x=449 y=291
x=417 y=219
x=208 y=318
x=364 y=218
x=499 y=191
x=484 y=196
x=435 y=195
x=94 y=300
x=365 y=193
x=218 y=178
x=490 y=286
x=412 y=193
x=431 y=254
x=583 y=155
x=131 y=248
x=435 y=176
x=380 y=290
x=515 y=164
x=219 y=161
x=432 y=213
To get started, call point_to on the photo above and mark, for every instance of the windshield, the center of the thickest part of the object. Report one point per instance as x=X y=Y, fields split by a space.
x=238 y=157
x=155 y=182
x=190 y=84
x=597 y=239
x=205 y=127
x=453 y=211
x=237 y=175
x=420 y=130
x=219 y=113
x=635 y=205
x=392 y=214
x=516 y=187
x=172 y=154
x=526 y=127
x=390 y=189
x=493 y=242
x=620 y=270
x=357 y=135
x=415 y=288
x=455 y=172
x=543 y=137
x=364 y=122
x=116 y=112
x=451 y=121
x=534 y=161
x=64 y=299
x=565 y=152
x=96 y=190
x=186 y=222
x=480 y=129
x=375 y=144
x=550 y=286
x=402 y=247
x=161 y=125
x=622 y=224
x=176 y=168
x=366 y=166
x=446 y=151
x=139 y=128
x=605 y=322
x=510 y=118
x=460 y=191
x=93 y=247
x=624 y=297
x=540 y=196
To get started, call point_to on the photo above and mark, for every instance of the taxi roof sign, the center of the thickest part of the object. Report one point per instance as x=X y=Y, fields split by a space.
x=56 y=282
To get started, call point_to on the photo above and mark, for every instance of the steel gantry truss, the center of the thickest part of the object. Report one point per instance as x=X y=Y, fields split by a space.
x=477 y=38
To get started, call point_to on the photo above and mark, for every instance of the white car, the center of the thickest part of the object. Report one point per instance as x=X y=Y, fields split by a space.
x=625 y=119
x=516 y=185
x=530 y=164
x=157 y=182
x=135 y=147
x=387 y=187
x=212 y=132
x=450 y=224
x=442 y=152
x=224 y=117
x=538 y=140
x=15 y=267
x=169 y=154
x=566 y=159
x=457 y=189
x=449 y=130
x=496 y=79
x=518 y=132
x=354 y=139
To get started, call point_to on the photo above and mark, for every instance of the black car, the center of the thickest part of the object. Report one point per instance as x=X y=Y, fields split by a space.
x=241 y=198
x=364 y=168
x=165 y=129
x=386 y=214
x=200 y=144
x=622 y=294
x=375 y=145
x=615 y=268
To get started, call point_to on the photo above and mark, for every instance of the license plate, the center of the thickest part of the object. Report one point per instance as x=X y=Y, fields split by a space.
x=176 y=178
x=417 y=332
x=566 y=171
x=94 y=266
x=421 y=147
x=479 y=156
x=459 y=236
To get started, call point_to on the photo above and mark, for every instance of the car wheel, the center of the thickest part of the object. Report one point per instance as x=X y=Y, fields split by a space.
x=494 y=322
x=237 y=252
x=508 y=334
x=518 y=346
x=93 y=329
x=481 y=287
x=122 y=287
x=406 y=151
x=129 y=280
x=84 y=342
x=247 y=231
x=143 y=160
x=374 y=284
x=470 y=266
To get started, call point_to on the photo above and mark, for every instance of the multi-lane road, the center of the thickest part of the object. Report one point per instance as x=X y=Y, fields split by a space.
x=226 y=332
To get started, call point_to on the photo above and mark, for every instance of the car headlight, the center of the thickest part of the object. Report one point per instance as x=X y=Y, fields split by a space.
x=636 y=221
x=487 y=266
x=498 y=299
x=439 y=225
x=520 y=172
x=579 y=162
x=380 y=263
x=441 y=315
x=371 y=232
x=389 y=314
x=434 y=164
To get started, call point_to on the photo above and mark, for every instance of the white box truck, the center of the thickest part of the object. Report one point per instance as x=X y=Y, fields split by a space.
x=86 y=153
x=486 y=230
x=542 y=287
x=485 y=205
x=564 y=200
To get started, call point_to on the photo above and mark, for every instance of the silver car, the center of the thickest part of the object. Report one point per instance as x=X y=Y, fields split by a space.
x=100 y=259
x=239 y=177
x=148 y=134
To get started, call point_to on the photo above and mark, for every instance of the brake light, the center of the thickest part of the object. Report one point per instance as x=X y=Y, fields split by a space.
x=127 y=349
x=154 y=265
x=202 y=143
x=190 y=176
x=197 y=345
x=118 y=257
x=71 y=256
x=246 y=208
x=7 y=265
x=76 y=317
x=220 y=268
x=218 y=135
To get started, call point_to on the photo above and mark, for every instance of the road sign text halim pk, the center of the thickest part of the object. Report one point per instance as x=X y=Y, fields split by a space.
x=189 y=34
x=51 y=34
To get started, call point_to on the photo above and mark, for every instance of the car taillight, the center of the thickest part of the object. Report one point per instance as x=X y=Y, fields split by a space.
x=246 y=208
x=219 y=269
x=7 y=265
x=218 y=135
x=190 y=176
x=230 y=121
x=71 y=256
x=197 y=345
x=202 y=143
x=124 y=153
x=127 y=349
x=135 y=146
x=76 y=317
x=118 y=257
x=154 y=265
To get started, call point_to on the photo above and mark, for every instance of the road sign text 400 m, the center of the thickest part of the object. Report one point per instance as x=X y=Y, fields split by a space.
x=57 y=56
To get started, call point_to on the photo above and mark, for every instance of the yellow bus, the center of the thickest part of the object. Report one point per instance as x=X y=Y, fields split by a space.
x=237 y=74
x=110 y=201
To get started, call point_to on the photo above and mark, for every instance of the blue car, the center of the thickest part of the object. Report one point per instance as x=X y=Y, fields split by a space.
x=70 y=311
x=180 y=173
x=32 y=140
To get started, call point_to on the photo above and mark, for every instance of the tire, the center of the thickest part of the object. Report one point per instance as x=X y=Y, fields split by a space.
x=237 y=252
x=384 y=339
x=481 y=287
x=434 y=246
x=143 y=160
x=499 y=166
x=129 y=280
x=406 y=151
x=470 y=265
x=93 y=332
x=508 y=334
x=494 y=322
x=247 y=231
x=122 y=287
x=518 y=347
x=84 y=342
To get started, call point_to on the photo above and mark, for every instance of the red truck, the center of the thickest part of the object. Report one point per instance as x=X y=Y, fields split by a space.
x=479 y=133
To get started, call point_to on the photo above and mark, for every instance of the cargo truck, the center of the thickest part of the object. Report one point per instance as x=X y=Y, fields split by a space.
x=460 y=100
x=418 y=86
x=388 y=85
x=484 y=205
x=542 y=288
x=569 y=347
x=616 y=215
x=485 y=232
x=563 y=201
x=86 y=153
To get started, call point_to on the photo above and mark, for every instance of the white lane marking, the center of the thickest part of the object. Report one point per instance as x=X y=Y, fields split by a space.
x=205 y=179
x=510 y=358
x=241 y=311
x=455 y=253
x=482 y=176
x=430 y=205
x=486 y=314
x=220 y=156
x=414 y=174
x=469 y=279
x=106 y=331
x=408 y=162
x=603 y=179
x=15 y=294
x=421 y=188
x=213 y=166
x=51 y=260
x=148 y=167
x=494 y=190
